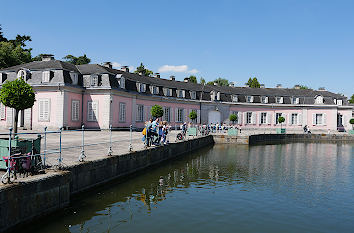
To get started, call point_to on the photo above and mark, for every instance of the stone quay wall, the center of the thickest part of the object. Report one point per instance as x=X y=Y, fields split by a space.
x=44 y=194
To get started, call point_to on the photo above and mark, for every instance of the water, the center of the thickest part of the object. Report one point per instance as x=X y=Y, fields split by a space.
x=270 y=188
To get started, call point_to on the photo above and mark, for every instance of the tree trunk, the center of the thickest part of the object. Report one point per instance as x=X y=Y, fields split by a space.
x=16 y=121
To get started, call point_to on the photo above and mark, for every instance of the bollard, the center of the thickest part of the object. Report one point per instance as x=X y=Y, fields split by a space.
x=130 y=143
x=45 y=147
x=82 y=154
x=9 y=157
x=110 y=141
x=60 y=158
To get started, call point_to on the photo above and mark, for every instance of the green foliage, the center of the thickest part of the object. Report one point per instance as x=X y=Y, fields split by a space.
x=351 y=100
x=202 y=81
x=77 y=60
x=303 y=87
x=156 y=111
x=281 y=120
x=233 y=118
x=142 y=70
x=193 y=115
x=193 y=79
x=351 y=121
x=253 y=83
x=11 y=55
x=210 y=83
x=219 y=82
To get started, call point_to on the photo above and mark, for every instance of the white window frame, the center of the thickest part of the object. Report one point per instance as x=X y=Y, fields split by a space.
x=277 y=115
x=46 y=76
x=122 y=82
x=319 y=99
x=2 y=111
x=339 y=102
x=279 y=100
x=234 y=98
x=264 y=99
x=180 y=93
x=294 y=118
x=167 y=114
x=122 y=112
x=249 y=99
x=43 y=106
x=295 y=100
x=180 y=115
x=75 y=110
x=193 y=95
x=74 y=78
x=263 y=118
x=249 y=117
x=321 y=121
x=139 y=112
x=92 y=106
x=94 y=81
x=22 y=72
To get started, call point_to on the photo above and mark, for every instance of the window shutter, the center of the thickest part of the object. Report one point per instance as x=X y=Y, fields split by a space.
x=299 y=119
x=269 y=118
x=239 y=118
x=151 y=89
x=176 y=114
x=313 y=119
x=164 y=91
x=218 y=96
x=184 y=94
x=2 y=111
x=290 y=119
x=75 y=110
x=198 y=116
x=245 y=118
x=254 y=118
x=324 y=120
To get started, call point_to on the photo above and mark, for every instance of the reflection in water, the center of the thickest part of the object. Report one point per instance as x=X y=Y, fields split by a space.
x=289 y=187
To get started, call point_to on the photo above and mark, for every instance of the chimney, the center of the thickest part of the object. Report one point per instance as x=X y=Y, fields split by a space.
x=125 y=69
x=215 y=83
x=279 y=86
x=297 y=87
x=231 y=84
x=107 y=64
x=172 y=78
x=157 y=75
x=262 y=86
x=322 y=89
x=47 y=57
x=186 y=80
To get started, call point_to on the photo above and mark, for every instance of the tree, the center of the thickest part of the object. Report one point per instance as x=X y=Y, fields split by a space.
x=351 y=121
x=281 y=120
x=193 y=79
x=221 y=82
x=18 y=95
x=77 y=60
x=210 y=83
x=301 y=87
x=11 y=55
x=143 y=71
x=351 y=100
x=156 y=111
x=202 y=81
x=253 y=83
x=193 y=115
x=233 y=118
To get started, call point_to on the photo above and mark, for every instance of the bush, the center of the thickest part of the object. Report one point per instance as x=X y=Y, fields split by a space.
x=156 y=111
x=281 y=120
x=351 y=121
x=233 y=118
x=193 y=115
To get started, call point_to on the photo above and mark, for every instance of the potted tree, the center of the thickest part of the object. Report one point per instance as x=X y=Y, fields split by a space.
x=192 y=131
x=281 y=120
x=156 y=111
x=351 y=121
x=232 y=132
x=19 y=95
x=233 y=118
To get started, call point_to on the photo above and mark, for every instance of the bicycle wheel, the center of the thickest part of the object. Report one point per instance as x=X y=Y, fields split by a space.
x=5 y=178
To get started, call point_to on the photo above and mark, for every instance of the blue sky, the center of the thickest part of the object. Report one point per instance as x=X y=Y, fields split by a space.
x=278 y=41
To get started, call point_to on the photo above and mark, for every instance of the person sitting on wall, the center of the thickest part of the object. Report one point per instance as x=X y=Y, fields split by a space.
x=305 y=129
x=154 y=131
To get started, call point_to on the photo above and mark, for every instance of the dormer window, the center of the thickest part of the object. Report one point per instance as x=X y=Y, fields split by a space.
x=279 y=100
x=94 y=81
x=180 y=93
x=141 y=87
x=74 y=78
x=167 y=91
x=46 y=76
x=218 y=96
x=154 y=90
x=122 y=83
x=193 y=95
x=3 y=77
x=295 y=100
x=249 y=99
x=264 y=99
x=24 y=74
x=339 y=102
x=234 y=98
x=319 y=99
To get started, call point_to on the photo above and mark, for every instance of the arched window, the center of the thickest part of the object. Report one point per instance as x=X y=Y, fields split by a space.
x=22 y=74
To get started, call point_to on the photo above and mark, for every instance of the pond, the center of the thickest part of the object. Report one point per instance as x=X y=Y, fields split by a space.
x=299 y=187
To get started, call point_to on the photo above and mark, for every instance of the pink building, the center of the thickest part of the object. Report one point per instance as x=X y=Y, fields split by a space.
x=99 y=96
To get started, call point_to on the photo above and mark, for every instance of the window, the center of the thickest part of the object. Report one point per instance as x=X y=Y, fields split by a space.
x=218 y=96
x=249 y=118
x=249 y=99
x=295 y=100
x=94 y=81
x=264 y=99
x=44 y=110
x=294 y=118
x=122 y=112
x=167 y=91
x=75 y=109
x=193 y=95
x=263 y=118
x=46 y=76
x=234 y=98
x=319 y=119
x=2 y=112
x=279 y=100
x=140 y=87
x=277 y=115
x=180 y=115
x=339 y=102
x=74 y=78
x=3 y=77
x=22 y=74
x=319 y=100
x=92 y=111
x=167 y=114
x=154 y=90
x=180 y=93
x=140 y=113
x=122 y=83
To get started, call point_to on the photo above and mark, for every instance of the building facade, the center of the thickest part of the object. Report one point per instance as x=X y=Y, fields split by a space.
x=98 y=96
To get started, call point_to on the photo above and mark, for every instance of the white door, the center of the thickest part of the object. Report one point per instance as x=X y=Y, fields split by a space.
x=214 y=117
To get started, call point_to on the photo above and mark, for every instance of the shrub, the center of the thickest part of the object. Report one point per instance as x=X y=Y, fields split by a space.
x=156 y=111
x=233 y=118
x=193 y=115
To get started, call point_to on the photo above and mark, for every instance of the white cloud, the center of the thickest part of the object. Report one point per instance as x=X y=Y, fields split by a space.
x=168 y=68
x=116 y=65
x=181 y=68
x=193 y=71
